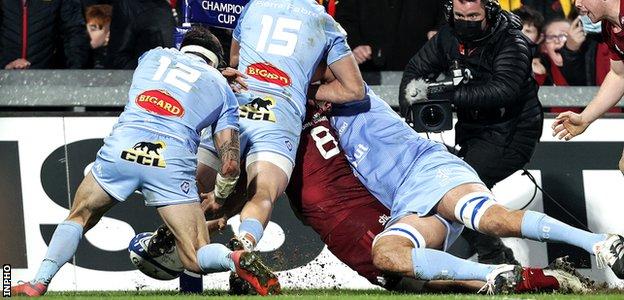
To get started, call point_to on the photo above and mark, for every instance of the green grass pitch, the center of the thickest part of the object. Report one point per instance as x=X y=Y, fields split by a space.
x=319 y=294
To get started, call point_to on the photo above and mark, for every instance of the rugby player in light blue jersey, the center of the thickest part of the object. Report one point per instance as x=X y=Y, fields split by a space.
x=278 y=45
x=152 y=148
x=433 y=194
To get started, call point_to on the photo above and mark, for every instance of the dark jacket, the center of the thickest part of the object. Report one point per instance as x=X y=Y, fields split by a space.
x=136 y=27
x=395 y=29
x=500 y=104
x=55 y=32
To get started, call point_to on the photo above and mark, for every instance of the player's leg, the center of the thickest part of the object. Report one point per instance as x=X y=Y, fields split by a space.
x=267 y=178
x=411 y=247
x=90 y=204
x=187 y=223
x=493 y=164
x=475 y=206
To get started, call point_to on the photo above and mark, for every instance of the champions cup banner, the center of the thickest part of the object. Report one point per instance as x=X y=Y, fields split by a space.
x=216 y=13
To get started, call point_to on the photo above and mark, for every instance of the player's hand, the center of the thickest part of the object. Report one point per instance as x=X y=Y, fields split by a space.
x=18 y=64
x=235 y=78
x=576 y=35
x=216 y=224
x=538 y=67
x=568 y=125
x=362 y=53
x=210 y=205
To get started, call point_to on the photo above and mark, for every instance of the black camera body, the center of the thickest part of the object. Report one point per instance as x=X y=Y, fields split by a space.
x=435 y=114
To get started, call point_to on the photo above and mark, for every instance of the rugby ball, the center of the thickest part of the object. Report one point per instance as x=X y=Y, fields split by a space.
x=165 y=267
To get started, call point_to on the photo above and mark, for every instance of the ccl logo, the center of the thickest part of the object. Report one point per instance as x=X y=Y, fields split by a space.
x=146 y=153
x=258 y=109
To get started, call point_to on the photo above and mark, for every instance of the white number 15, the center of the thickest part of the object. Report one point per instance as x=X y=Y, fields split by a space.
x=283 y=39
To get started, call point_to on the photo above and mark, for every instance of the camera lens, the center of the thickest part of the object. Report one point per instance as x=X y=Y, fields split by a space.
x=432 y=115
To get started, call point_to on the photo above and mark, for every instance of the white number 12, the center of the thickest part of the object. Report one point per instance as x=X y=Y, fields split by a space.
x=182 y=76
x=283 y=39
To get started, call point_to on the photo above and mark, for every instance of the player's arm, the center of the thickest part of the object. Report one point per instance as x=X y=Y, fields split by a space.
x=234 y=53
x=348 y=84
x=227 y=145
x=228 y=148
x=569 y=124
x=609 y=94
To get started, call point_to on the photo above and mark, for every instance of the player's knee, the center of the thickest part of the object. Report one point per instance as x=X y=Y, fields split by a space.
x=392 y=247
x=471 y=209
x=621 y=165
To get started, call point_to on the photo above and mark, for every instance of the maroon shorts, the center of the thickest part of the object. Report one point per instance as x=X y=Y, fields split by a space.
x=351 y=240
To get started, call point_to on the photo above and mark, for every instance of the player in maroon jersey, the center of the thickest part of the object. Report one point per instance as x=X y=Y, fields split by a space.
x=327 y=196
x=611 y=12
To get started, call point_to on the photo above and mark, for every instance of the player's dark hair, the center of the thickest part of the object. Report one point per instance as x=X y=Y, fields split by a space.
x=201 y=36
x=530 y=16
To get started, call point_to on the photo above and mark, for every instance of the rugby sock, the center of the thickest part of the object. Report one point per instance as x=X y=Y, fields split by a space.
x=540 y=227
x=62 y=247
x=252 y=227
x=215 y=258
x=430 y=264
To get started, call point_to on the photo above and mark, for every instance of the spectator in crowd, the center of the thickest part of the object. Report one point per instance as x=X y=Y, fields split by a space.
x=552 y=9
x=499 y=115
x=98 y=25
x=563 y=63
x=385 y=34
x=136 y=27
x=30 y=31
x=532 y=24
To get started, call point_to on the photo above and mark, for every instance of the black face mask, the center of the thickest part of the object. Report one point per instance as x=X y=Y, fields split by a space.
x=468 y=31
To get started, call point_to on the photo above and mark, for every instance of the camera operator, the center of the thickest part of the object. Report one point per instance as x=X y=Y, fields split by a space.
x=499 y=115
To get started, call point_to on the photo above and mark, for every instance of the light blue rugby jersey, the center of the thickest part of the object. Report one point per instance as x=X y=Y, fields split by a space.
x=282 y=43
x=178 y=95
x=379 y=145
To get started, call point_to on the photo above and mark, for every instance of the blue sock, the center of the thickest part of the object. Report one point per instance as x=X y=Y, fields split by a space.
x=431 y=264
x=62 y=247
x=540 y=227
x=253 y=227
x=215 y=258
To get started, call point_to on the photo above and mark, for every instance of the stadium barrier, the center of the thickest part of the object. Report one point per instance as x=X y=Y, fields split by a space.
x=44 y=158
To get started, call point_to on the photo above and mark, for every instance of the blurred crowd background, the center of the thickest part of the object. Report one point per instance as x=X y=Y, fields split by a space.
x=384 y=34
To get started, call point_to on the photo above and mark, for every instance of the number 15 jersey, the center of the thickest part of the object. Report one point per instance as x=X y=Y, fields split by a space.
x=282 y=43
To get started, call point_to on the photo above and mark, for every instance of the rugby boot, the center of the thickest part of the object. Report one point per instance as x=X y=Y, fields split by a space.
x=29 y=289
x=251 y=269
x=238 y=286
x=569 y=279
x=610 y=253
x=560 y=276
x=161 y=242
x=502 y=280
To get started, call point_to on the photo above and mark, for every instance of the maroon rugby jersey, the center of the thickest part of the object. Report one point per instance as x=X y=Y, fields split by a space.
x=323 y=187
x=613 y=39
